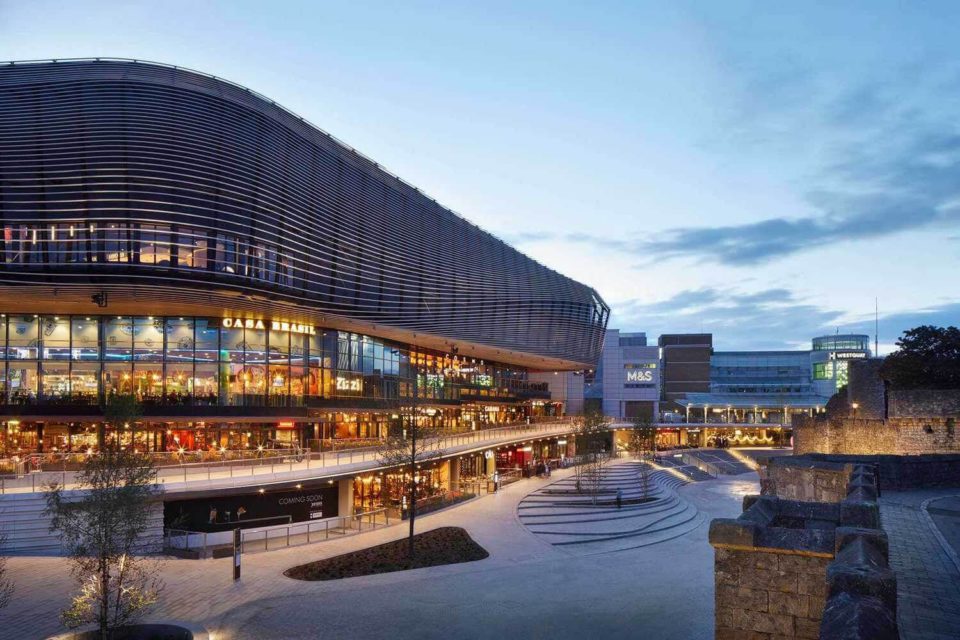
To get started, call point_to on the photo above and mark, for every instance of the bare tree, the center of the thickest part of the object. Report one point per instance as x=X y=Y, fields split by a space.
x=121 y=411
x=591 y=436
x=103 y=527
x=408 y=448
x=642 y=438
x=6 y=584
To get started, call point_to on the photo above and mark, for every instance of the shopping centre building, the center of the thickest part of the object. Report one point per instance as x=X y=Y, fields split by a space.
x=252 y=281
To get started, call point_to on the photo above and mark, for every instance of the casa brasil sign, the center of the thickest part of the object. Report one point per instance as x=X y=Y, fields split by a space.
x=275 y=325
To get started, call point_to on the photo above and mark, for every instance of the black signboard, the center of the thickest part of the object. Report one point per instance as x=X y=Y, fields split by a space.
x=223 y=513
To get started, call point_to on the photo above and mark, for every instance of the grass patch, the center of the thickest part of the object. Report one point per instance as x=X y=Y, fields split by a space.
x=446 y=545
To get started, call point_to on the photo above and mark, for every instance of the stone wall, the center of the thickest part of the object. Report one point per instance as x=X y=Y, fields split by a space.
x=804 y=479
x=798 y=569
x=917 y=403
x=862 y=436
x=866 y=388
x=898 y=473
x=768 y=595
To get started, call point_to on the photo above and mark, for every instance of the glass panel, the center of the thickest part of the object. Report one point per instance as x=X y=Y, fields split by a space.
x=23 y=338
x=148 y=339
x=279 y=347
x=205 y=390
x=207 y=336
x=231 y=344
x=179 y=382
x=314 y=384
x=56 y=337
x=23 y=382
x=56 y=380
x=86 y=338
x=179 y=339
x=84 y=377
x=116 y=246
x=316 y=348
x=298 y=382
x=233 y=383
x=256 y=346
x=155 y=244
x=118 y=338
x=3 y=335
x=192 y=248
x=279 y=380
x=148 y=381
x=117 y=378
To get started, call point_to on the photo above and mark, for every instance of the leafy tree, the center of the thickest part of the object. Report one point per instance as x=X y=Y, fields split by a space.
x=102 y=527
x=121 y=411
x=407 y=449
x=927 y=357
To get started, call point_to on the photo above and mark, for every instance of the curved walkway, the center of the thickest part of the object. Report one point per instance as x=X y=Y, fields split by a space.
x=526 y=587
x=565 y=517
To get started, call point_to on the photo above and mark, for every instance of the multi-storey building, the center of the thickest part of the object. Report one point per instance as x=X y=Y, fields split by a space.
x=250 y=280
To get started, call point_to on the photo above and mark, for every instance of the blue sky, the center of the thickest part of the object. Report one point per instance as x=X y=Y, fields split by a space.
x=760 y=170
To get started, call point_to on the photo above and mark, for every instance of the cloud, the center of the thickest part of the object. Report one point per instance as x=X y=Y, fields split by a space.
x=772 y=318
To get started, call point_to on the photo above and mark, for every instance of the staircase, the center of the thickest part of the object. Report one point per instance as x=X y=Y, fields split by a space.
x=27 y=529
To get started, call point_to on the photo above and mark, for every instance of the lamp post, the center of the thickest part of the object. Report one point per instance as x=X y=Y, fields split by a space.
x=854 y=406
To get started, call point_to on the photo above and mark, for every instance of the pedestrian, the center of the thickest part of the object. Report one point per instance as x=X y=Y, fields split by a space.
x=619 y=497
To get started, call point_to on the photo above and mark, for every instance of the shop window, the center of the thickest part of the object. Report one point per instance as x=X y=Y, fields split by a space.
x=22 y=378
x=118 y=338
x=314 y=382
x=85 y=337
x=23 y=338
x=58 y=244
x=117 y=379
x=207 y=347
x=179 y=334
x=279 y=347
x=298 y=383
x=205 y=384
x=148 y=381
x=178 y=381
x=148 y=339
x=231 y=344
x=279 y=380
x=255 y=342
x=84 y=382
x=55 y=332
x=56 y=380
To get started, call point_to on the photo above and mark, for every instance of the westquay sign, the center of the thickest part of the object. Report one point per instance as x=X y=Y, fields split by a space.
x=275 y=325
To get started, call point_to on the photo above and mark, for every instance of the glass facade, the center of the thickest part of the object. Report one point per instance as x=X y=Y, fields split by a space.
x=206 y=361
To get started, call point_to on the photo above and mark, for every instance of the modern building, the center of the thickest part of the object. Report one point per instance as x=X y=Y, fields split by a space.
x=626 y=384
x=769 y=387
x=685 y=366
x=252 y=281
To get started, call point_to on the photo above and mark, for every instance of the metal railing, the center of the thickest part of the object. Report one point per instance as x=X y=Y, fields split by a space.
x=231 y=471
x=290 y=535
x=703 y=465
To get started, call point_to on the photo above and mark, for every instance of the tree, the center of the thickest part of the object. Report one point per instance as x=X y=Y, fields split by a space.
x=103 y=529
x=121 y=411
x=591 y=437
x=407 y=449
x=643 y=437
x=927 y=357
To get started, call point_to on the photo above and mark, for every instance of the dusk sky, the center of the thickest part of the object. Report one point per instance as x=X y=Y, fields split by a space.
x=762 y=171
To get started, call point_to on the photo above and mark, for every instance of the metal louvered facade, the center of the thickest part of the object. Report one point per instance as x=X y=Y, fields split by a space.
x=171 y=190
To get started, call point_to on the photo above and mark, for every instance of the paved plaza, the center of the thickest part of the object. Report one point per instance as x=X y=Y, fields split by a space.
x=526 y=587
x=928 y=578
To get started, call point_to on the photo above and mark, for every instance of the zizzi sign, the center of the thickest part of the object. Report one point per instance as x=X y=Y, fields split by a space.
x=275 y=325
x=640 y=376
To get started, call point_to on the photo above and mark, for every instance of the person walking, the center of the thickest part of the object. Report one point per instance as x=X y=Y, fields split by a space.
x=619 y=497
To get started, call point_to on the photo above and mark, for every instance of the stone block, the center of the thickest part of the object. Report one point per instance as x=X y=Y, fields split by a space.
x=783 y=581
x=789 y=604
x=727 y=617
x=810 y=584
x=807 y=628
x=741 y=598
x=731 y=532
x=850 y=617
x=767 y=623
x=803 y=564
